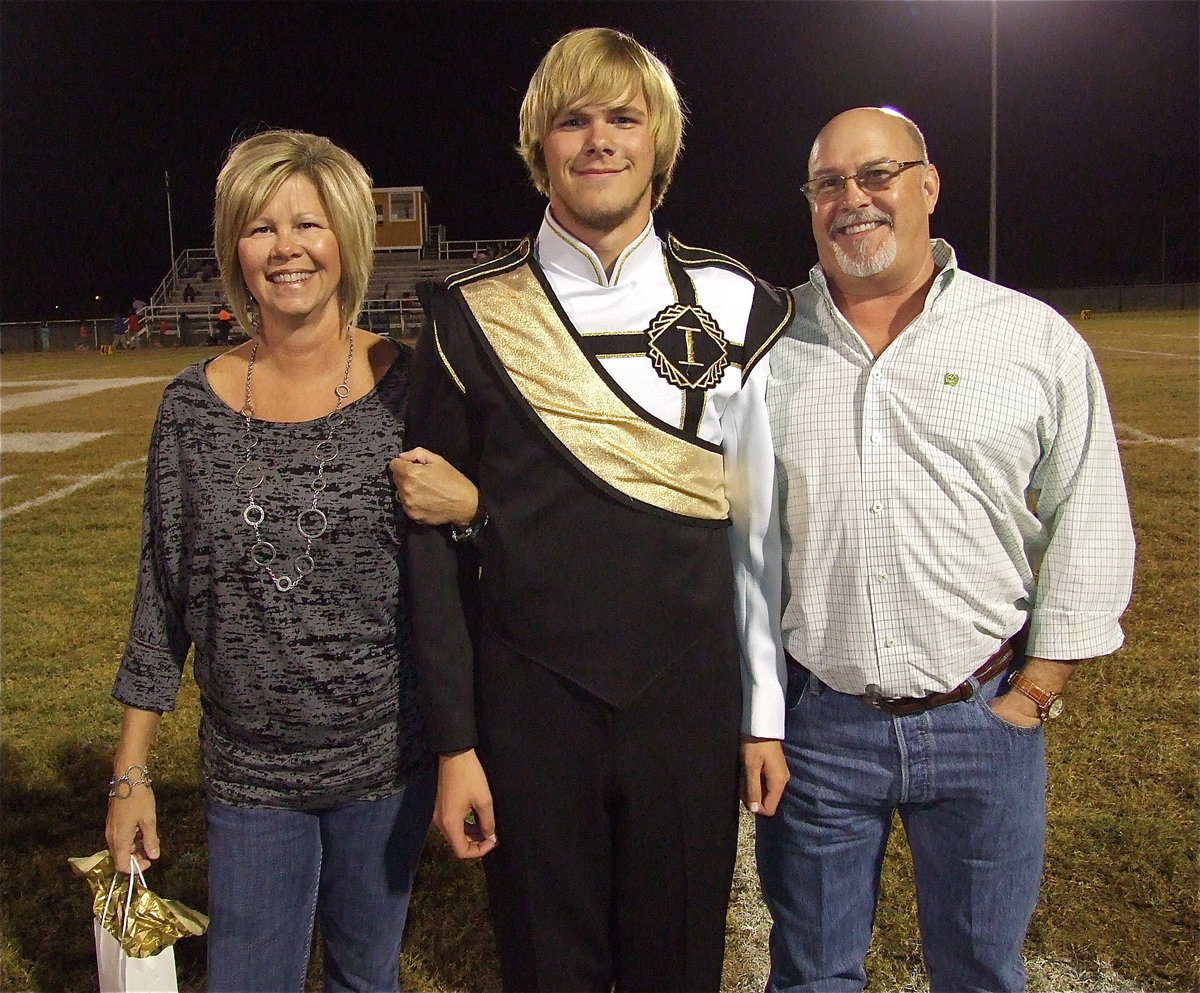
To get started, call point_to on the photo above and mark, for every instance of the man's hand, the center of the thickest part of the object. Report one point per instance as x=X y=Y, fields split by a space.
x=1015 y=707
x=765 y=773
x=432 y=491
x=463 y=811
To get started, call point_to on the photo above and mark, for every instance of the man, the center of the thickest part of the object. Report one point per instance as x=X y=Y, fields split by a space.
x=953 y=512
x=602 y=388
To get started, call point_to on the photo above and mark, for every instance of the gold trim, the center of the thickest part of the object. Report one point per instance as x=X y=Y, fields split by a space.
x=599 y=273
x=437 y=341
x=628 y=253
x=705 y=255
x=769 y=340
x=580 y=409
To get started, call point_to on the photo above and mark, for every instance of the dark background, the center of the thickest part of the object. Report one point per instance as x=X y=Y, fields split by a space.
x=1098 y=124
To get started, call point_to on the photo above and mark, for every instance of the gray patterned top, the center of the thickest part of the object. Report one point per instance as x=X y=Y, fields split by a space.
x=308 y=697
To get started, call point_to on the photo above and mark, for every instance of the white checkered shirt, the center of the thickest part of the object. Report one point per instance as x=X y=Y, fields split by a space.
x=934 y=499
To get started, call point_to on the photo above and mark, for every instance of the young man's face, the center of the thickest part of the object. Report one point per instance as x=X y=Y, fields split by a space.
x=600 y=160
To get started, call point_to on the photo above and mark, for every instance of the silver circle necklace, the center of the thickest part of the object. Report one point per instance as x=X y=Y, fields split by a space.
x=311 y=522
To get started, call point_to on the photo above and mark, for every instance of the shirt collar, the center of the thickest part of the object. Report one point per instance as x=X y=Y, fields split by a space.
x=944 y=260
x=559 y=250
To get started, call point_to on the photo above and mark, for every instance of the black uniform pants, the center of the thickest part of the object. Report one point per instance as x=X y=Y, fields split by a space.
x=617 y=828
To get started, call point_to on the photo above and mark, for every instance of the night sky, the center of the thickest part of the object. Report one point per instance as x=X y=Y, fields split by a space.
x=1098 y=124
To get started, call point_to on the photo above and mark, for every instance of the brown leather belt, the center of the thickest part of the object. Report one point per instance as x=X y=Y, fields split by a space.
x=903 y=706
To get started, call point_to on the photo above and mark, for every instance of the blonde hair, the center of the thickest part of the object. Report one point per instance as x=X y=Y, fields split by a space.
x=255 y=169
x=600 y=65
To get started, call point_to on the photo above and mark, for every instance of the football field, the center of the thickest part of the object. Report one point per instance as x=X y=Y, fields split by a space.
x=1118 y=908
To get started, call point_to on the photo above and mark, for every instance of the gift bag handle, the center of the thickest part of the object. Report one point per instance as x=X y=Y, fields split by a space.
x=128 y=894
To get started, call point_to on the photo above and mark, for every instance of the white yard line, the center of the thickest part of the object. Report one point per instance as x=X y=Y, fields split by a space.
x=75 y=487
x=46 y=441
x=1134 y=351
x=78 y=388
x=1138 y=437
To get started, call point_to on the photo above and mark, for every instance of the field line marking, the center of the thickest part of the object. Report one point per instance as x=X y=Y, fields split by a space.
x=73 y=488
x=1134 y=351
x=81 y=388
x=1138 y=435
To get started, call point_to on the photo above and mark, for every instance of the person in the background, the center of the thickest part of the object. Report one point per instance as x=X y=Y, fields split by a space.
x=273 y=545
x=44 y=336
x=224 y=326
x=956 y=539
x=118 y=331
x=133 y=329
x=604 y=388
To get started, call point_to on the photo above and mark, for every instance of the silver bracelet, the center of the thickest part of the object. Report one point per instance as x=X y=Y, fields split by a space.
x=121 y=787
x=470 y=531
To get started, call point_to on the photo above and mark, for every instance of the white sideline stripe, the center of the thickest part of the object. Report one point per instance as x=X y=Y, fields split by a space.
x=73 y=488
x=46 y=441
x=20 y=384
x=1137 y=436
x=81 y=387
x=1134 y=351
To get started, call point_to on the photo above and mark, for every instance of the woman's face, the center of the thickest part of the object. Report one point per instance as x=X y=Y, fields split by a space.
x=290 y=258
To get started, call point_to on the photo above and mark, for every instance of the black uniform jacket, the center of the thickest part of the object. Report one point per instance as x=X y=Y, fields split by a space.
x=600 y=588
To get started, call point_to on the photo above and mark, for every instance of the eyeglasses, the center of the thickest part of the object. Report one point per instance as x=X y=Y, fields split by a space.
x=873 y=179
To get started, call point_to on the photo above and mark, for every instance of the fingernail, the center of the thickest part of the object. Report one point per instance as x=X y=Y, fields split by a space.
x=754 y=808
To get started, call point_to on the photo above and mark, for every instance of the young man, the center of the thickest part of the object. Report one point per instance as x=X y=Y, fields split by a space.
x=602 y=388
x=957 y=537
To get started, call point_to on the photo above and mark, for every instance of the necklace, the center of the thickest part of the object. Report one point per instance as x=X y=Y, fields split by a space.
x=310 y=522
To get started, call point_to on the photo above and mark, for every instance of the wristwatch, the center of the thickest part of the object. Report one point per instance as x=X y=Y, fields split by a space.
x=1049 y=704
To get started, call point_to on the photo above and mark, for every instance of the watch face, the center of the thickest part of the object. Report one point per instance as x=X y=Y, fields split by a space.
x=1055 y=708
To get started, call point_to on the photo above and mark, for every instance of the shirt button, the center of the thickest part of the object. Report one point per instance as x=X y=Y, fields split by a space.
x=882 y=577
x=876 y=438
x=876 y=508
x=889 y=643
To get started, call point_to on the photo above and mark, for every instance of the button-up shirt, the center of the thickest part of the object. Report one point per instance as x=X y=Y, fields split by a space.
x=936 y=498
x=734 y=417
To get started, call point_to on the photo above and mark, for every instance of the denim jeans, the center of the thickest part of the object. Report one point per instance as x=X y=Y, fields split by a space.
x=272 y=871
x=970 y=790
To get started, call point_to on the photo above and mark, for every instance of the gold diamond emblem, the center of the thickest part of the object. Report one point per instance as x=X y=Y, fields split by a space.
x=687 y=347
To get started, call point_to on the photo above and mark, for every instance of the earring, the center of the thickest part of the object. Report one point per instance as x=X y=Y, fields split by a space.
x=252 y=313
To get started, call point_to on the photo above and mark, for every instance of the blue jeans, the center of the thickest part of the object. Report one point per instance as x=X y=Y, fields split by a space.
x=271 y=872
x=971 y=792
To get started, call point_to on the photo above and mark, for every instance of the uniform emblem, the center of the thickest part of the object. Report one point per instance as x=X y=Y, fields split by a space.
x=687 y=347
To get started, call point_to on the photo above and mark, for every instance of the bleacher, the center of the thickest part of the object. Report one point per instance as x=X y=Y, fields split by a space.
x=391 y=307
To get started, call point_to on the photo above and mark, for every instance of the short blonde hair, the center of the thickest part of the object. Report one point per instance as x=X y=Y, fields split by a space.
x=255 y=169
x=599 y=65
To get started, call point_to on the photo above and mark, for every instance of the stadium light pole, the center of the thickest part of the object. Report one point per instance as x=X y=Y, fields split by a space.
x=992 y=199
x=170 y=223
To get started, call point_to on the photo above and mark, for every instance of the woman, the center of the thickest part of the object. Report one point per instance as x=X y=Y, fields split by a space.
x=272 y=543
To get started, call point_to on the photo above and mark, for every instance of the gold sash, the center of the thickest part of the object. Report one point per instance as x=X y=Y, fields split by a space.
x=579 y=408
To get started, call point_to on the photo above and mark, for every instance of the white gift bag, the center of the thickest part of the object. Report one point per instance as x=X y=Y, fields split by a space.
x=120 y=972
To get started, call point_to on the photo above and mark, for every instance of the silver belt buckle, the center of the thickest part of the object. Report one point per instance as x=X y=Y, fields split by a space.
x=874 y=696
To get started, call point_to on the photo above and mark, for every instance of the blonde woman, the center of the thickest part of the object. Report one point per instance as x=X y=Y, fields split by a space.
x=272 y=544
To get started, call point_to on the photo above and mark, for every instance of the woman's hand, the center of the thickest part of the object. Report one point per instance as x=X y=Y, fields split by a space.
x=132 y=826
x=432 y=491
x=132 y=829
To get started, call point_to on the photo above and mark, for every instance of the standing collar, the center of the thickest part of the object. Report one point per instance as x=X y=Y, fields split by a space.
x=558 y=250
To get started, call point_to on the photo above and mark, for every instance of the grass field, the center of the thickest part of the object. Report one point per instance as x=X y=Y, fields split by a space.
x=1119 y=907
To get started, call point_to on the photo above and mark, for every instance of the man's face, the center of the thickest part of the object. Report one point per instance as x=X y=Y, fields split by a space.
x=862 y=235
x=600 y=159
